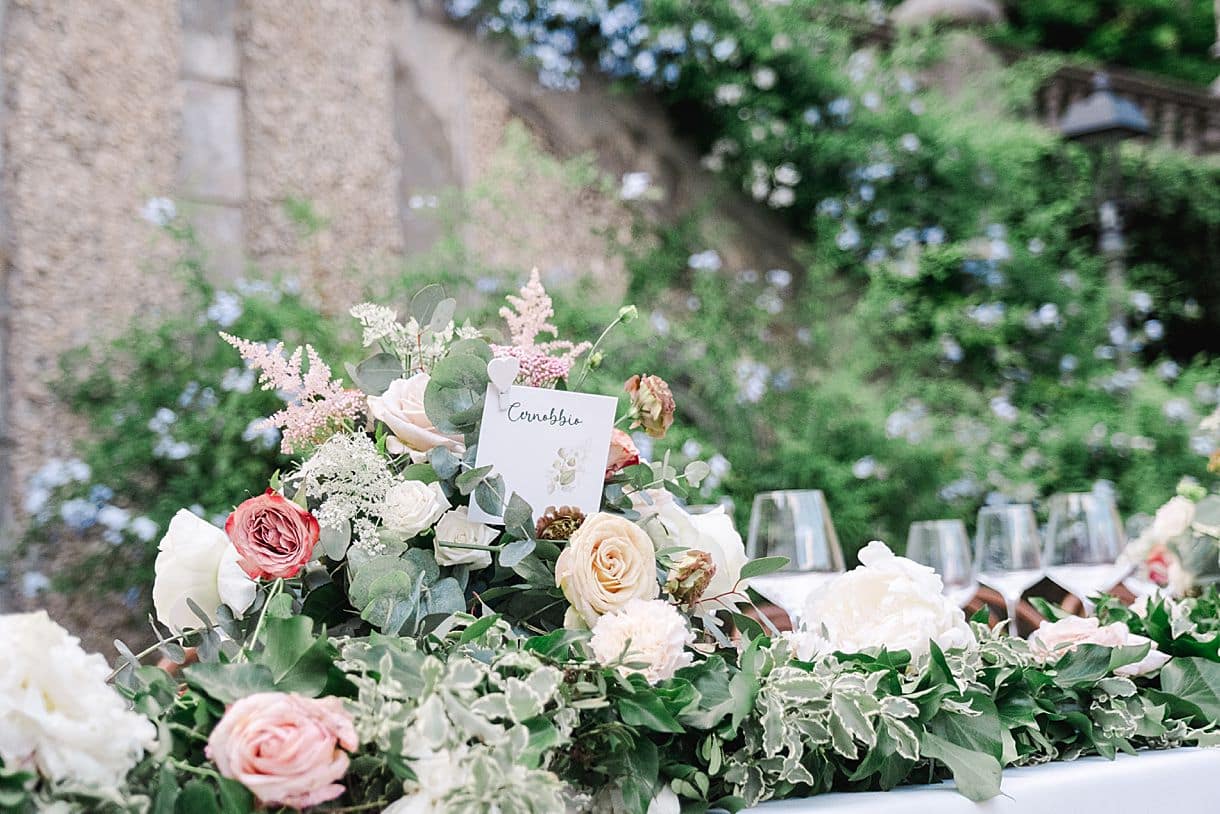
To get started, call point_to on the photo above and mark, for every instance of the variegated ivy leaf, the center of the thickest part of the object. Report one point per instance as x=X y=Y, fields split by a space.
x=841 y=739
x=960 y=707
x=893 y=706
x=774 y=729
x=815 y=731
x=1117 y=686
x=432 y=724
x=846 y=710
x=493 y=707
x=524 y=702
x=545 y=682
x=906 y=742
x=472 y=725
x=465 y=675
x=1113 y=720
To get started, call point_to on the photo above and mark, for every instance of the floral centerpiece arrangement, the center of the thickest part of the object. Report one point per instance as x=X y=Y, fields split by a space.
x=1178 y=552
x=354 y=639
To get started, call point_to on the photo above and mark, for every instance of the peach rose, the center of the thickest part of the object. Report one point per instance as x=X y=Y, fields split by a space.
x=622 y=453
x=274 y=537
x=285 y=748
x=608 y=562
x=401 y=408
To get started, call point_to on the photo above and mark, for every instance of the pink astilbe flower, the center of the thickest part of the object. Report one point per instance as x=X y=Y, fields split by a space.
x=317 y=404
x=542 y=363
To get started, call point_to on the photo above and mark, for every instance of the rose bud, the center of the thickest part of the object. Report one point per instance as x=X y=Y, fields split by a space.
x=652 y=404
x=273 y=536
x=622 y=453
x=689 y=577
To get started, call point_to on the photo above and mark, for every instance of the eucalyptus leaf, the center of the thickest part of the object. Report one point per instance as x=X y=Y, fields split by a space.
x=453 y=399
x=515 y=552
x=335 y=540
x=424 y=303
x=375 y=373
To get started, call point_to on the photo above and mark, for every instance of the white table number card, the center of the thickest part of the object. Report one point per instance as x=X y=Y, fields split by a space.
x=550 y=446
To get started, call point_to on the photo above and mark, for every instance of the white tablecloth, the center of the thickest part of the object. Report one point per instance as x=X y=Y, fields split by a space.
x=1182 y=781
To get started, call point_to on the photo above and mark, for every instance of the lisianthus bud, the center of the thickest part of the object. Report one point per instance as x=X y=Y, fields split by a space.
x=689 y=577
x=652 y=404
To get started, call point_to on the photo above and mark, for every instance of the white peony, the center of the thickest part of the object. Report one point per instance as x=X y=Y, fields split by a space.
x=1172 y=519
x=647 y=631
x=412 y=506
x=195 y=560
x=1052 y=639
x=805 y=644
x=457 y=527
x=59 y=716
x=889 y=602
x=670 y=525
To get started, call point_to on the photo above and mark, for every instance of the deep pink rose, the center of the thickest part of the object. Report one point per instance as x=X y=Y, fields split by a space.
x=285 y=748
x=274 y=537
x=622 y=453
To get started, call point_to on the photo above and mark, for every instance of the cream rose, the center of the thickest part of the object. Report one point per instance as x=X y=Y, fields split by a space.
x=60 y=718
x=1052 y=639
x=608 y=562
x=889 y=602
x=457 y=527
x=196 y=561
x=668 y=524
x=650 y=632
x=412 y=507
x=401 y=408
x=1172 y=519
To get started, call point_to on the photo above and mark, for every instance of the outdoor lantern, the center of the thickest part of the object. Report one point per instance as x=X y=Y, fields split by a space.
x=1101 y=122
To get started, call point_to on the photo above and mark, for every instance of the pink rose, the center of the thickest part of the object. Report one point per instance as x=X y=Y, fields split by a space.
x=285 y=748
x=1052 y=639
x=401 y=408
x=622 y=453
x=274 y=537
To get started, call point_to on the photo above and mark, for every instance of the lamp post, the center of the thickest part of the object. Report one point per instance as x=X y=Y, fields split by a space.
x=1101 y=122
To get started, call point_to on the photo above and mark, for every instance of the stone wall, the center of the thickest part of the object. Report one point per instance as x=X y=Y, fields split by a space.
x=232 y=108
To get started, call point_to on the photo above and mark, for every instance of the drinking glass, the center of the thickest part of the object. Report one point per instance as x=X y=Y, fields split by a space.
x=1084 y=544
x=944 y=545
x=796 y=525
x=1008 y=553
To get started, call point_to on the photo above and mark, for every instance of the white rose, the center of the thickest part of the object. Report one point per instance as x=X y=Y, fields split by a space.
x=670 y=525
x=1172 y=519
x=1052 y=639
x=651 y=632
x=196 y=561
x=889 y=602
x=457 y=527
x=401 y=408
x=60 y=716
x=608 y=562
x=412 y=506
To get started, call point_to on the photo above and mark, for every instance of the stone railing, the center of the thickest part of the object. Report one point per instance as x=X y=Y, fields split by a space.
x=1181 y=116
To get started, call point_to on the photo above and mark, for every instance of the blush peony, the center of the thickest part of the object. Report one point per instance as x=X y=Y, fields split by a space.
x=196 y=561
x=889 y=602
x=59 y=717
x=274 y=537
x=1052 y=639
x=608 y=562
x=401 y=408
x=285 y=748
